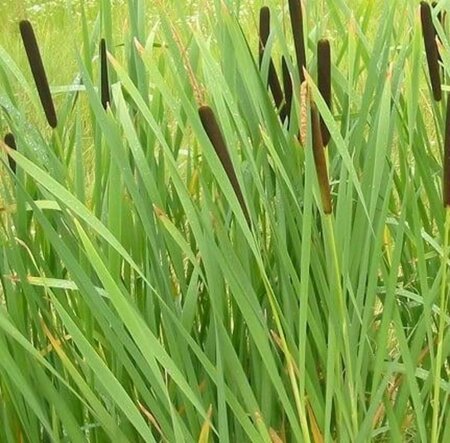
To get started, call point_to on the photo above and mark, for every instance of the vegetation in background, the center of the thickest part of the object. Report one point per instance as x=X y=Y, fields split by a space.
x=228 y=222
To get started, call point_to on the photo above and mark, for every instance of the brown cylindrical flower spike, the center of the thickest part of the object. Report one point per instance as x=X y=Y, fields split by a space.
x=296 y=14
x=264 y=32
x=446 y=178
x=324 y=81
x=10 y=141
x=215 y=136
x=431 y=50
x=38 y=71
x=320 y=161
x=104 y=78
x=288 y=87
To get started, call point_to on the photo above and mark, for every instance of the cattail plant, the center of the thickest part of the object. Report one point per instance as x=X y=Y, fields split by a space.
x=38 y=71
x=215 y=136
x=324 y=81
x=104 y=78
x=10 y=141
x=319 y=160
x=431 y=50
x=274 y=82
x=287 y=86
x=443 y=305
x=446 y=160
x=296 y=14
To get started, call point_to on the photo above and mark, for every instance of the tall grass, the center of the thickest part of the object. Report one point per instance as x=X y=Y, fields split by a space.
x=178 y=263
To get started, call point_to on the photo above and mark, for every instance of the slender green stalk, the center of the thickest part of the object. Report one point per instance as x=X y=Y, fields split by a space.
x=443 y=306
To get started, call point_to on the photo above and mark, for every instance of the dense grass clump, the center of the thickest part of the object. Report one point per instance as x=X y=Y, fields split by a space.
x=236 y=228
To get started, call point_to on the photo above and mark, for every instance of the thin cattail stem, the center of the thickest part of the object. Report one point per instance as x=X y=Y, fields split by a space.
x=10 y=141
x=288 y=87
x=104 y=78
x=446 y=160
x=431 y=50
x=324 y=81
x=215 y=136
x=320 y=161
x=38 y=71
x=296 y=14
x=264 y=32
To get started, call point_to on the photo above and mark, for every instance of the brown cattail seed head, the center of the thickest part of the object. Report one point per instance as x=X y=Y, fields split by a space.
x=264 y=32
x=10 y=141
x=288 y=87
x=431 y=50
x=104 y=80
x=38 y=71
x=215 y=136
x=320 y=161
x=296 y=14
x=446 y=178
x=324 y=81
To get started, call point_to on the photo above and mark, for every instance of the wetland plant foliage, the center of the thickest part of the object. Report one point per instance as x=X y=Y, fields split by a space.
x=231 y=226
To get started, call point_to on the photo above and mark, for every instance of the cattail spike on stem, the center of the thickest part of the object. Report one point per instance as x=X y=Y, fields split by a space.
x=10 y=141
x=431 y=50
x=324 y=81
x=38 y=71
x=288 y=87
x=296 y=14
x=215 y=136
x=274 y=82
x=446 y=160
x=320 y=161
x=104 y=78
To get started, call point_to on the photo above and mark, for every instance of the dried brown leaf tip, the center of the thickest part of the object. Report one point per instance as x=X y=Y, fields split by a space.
x=38 y=71
x=274 y=81
x=296 y=15
x=215 y=136
x=104 y=77
x=320 y=161
x=10 y=141
x=446 y=178
x=431 y=50
x=324 y=81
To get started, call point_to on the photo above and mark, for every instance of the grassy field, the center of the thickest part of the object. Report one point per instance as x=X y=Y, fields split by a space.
x=184 y=257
